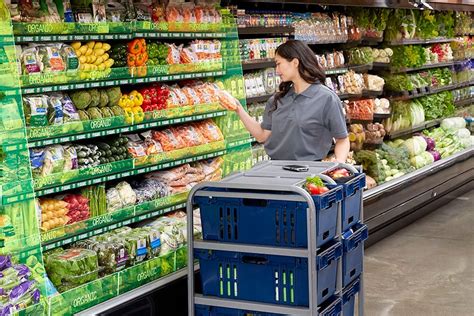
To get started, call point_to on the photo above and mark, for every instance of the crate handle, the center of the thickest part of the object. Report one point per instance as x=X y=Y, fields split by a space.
x=254 y=260
x=255 y=202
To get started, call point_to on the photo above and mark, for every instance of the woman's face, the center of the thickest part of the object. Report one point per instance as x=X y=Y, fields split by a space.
x=287 y=70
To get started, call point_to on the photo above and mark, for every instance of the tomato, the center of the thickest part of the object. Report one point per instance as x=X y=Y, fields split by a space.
x=316 y=190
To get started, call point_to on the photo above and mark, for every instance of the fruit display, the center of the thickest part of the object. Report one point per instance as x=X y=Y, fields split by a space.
x=315 y=186
x=53 y=213
x=93 y=55
x=78 y=208
x=137 y=53
x=356 y=136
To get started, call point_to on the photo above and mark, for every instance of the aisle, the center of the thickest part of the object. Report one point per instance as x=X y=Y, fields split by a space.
x=426 y=268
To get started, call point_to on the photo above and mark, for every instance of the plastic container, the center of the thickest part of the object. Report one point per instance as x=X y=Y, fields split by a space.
x=112 y=256
x=267 y=278
x=332 y=308
x=352 y=259
x=352 y=202
x=268 y=222
x=348 y=298
x=72 y=267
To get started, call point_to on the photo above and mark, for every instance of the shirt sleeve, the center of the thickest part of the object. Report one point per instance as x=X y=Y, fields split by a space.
x=267 y=116
x=335 y=119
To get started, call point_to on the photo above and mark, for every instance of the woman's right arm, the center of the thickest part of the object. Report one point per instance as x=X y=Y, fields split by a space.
x=254 y=127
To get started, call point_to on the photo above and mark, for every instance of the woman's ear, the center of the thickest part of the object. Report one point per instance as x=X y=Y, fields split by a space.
x=295 y=62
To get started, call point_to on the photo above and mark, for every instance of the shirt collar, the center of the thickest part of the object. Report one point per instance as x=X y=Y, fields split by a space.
x=310 y=91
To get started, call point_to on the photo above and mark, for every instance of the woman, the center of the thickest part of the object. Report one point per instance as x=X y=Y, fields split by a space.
x=303 y=118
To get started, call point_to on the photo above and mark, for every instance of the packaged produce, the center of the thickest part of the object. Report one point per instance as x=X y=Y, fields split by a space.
x=126 y=193
x=51 y=59
x=136 y=146
x=360 y=110
x=114 y=202
x=153 y=241
x=135 y=244
x=149 y=189
x=382 y=55
x=72 y=267
x=360 y=56
x=88 y=155
x=352 y=83
x=168 y=140
x=112 y=255
x=382 y=106
x=374 y=83
x=190 y=135
x=209 y=130
x=36 y=110
x=30 y=61
x=78 y=207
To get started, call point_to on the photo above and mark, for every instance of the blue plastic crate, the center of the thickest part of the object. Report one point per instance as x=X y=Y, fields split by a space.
x=267 y=278
x=351 y=204
x=332 y=309
x=348 y=298
x=352 y=259
x=268 y=222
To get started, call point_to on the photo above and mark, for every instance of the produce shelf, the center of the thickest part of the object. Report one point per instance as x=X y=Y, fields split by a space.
x=380 y=116
x=90 y=294
x=430 y=66
x=265 y=30
x=258 y=64
x=408 y=95
x=262 y=98
x=361 y=68
x=464 y=102
x=238 y=143
x=68 y=234
x=414 y=129
x=336 y=71
x=421 y=41
x=136 y=293
x=106 y=126
x=106 y=172
x=120 y=82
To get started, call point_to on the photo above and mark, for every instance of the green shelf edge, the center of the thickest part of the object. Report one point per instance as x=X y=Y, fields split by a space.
x=123 y=129
x=119 y=36
x=118 y=82
x=128 y=173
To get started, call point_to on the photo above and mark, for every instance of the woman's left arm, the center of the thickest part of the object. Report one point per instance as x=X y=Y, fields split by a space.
x=342 y=149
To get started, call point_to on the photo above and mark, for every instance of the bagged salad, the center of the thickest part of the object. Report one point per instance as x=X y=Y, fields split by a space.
x=112 y=255
x=72 y=267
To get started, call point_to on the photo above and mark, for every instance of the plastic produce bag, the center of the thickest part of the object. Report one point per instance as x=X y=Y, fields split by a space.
x=112 y=256
x=36 y=110
x=126 y=193
x=72 y=267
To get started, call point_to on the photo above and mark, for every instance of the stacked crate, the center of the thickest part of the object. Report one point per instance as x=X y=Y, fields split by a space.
x=259 y=250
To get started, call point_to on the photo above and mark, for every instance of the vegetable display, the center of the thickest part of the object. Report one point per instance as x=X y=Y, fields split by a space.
x=315 y=186
x=93 y=55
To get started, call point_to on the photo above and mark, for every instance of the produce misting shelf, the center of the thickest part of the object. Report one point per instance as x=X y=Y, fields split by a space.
x=101 y=224
x=424 y=67
x=127 y=172
x=265 y=30
x=102 y=131
x=258 y=64
x=414 y=129
x=120 y=82
x=421 y=41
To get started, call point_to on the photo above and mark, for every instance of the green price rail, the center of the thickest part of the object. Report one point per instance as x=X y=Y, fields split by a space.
x=118 y=82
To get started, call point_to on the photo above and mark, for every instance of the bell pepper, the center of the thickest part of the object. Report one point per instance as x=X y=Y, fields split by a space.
x=139 y=59
x=128 y=116
x=124 y=101
x=135 y=46
x=136 y=97
x=131 y=60
x=143 y=47
x=138 y=114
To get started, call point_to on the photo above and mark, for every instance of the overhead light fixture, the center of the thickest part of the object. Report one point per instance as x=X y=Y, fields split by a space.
x=427 y=5
x=420 y=4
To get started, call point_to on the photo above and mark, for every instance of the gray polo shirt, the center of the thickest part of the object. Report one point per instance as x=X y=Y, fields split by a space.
x=304 y=124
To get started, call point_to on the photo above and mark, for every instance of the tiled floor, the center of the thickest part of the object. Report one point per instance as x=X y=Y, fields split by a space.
x=427 y=268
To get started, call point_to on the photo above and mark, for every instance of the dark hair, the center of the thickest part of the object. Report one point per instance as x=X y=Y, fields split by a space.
x=308 y=67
